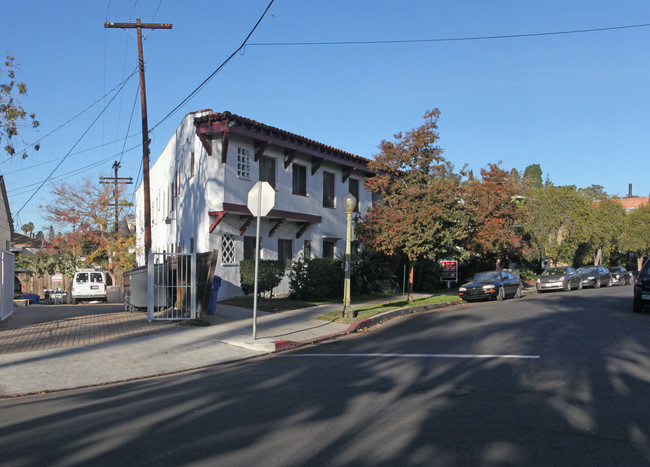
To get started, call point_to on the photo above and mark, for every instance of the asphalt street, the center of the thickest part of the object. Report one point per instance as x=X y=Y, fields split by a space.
x=552 y=379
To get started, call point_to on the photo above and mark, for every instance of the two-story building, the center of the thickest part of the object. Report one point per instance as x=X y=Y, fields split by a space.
x=200 y=185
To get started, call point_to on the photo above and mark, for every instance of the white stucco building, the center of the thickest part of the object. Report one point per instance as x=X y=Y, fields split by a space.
x=6 y=222
x=200 y=184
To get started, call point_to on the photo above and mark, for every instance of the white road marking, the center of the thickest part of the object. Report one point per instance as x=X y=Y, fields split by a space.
x=399 y=355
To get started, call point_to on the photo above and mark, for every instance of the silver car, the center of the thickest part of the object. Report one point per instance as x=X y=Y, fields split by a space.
x=561 y=278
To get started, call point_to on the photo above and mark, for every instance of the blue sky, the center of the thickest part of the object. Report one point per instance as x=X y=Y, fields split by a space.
x=577 y=104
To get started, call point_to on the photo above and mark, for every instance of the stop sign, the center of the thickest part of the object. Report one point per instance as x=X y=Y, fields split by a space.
x=261 y=199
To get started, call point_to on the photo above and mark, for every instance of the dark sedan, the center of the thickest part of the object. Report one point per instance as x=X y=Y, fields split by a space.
x=642 y=288
x=491 y=284
x=595 y=276
x=620 y=275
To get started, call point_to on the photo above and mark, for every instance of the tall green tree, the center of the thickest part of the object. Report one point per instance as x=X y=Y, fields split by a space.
x=13 y=117
x=557 y=222
x=594 y=193
x=605 y=228
x=28 y=228
x=418 y=213
x=532 y=178
x=636 y=234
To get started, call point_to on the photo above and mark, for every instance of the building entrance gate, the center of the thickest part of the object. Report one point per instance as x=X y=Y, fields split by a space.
x=171 y=293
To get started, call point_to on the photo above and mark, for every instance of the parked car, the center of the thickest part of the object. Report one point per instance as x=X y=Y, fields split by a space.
x=88 y=284
x=491 y=284
x=560 y=278
x=595 y=276
x=642 y=288
x=620 y=275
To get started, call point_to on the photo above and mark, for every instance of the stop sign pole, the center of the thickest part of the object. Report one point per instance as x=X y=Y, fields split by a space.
x=261 y=199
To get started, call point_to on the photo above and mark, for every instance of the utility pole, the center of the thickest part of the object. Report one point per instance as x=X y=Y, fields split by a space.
x=145 y=126
x=116 y=181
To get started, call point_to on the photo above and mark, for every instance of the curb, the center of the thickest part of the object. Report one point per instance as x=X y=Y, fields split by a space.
x=282 y=345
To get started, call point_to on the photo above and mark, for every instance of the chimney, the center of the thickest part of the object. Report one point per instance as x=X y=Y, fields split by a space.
x=629 y=193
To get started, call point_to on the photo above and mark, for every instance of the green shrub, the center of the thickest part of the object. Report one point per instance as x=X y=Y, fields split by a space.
x=527 y=275
x=270 y=275
x=427 y=275
x=371 y=271
x=316 y=279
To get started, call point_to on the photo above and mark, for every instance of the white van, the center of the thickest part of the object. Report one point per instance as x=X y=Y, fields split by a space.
x=89 y=284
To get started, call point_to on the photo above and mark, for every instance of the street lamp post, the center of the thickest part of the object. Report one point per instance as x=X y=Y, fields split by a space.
x=349 y=203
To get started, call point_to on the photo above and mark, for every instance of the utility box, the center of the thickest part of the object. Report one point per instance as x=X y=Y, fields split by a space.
x=136 y=290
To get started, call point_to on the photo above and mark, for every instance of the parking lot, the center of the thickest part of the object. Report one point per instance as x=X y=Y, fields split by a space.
x=41 y=327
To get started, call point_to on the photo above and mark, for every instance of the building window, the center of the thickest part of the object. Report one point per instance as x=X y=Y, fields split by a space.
x=249 y=248
x=172 y=195
x=192 y=164
x=354 y=191
x=228 y=249
x=192 y=245
x=328 y=190
x=285 y=252
x=328 y=248
x=243 y=163
x=267 y=170
x=299 y=174
x=306 y=252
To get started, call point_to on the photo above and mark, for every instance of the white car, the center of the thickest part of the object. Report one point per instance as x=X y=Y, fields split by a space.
x=89 y=284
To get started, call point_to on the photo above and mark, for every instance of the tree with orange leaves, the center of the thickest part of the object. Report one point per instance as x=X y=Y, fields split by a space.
x=419 y=211
x=85 y=213
x=494 y=215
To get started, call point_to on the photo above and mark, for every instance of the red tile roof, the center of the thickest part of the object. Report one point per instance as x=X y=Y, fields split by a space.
x=266 y=129
x=633 y=202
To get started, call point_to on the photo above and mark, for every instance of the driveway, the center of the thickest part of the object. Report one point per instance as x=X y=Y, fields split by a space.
x=41 y=327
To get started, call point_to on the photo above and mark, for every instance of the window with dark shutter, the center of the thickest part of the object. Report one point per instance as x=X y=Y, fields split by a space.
x=354 y=191
x=285 y=252
x=328 y=248
x=328 y=190
x=299 y=174
x=267 y=170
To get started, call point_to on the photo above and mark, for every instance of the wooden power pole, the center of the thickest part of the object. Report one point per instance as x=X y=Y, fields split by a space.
x=116 y=181
x=145 y=126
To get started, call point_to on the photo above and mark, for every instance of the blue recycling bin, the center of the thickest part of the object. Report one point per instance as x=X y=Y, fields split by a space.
x=212 y=305
x=32 y=297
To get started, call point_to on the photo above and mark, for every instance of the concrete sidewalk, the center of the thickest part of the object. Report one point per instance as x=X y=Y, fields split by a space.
x=178 y=348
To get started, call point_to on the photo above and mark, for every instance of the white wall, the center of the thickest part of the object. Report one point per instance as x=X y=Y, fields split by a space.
x=214 y=183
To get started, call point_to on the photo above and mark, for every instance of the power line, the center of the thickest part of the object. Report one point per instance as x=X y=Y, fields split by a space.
x=73 y=146
x=207 y=80
x=128 y=128
x=76 y=154
x=27 y=188
x=156 y=13
x=452 y=39
x=78 y=115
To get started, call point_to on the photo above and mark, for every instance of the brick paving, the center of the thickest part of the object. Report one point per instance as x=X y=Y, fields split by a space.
x=41 y=327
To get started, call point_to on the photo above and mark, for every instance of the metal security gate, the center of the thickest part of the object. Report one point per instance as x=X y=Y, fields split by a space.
x=7 y=291
x=171 y=293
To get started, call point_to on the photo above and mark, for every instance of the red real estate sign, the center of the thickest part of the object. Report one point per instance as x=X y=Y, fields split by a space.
x=449 y=270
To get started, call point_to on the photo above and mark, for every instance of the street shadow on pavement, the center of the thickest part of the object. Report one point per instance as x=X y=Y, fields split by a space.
x=381 y=398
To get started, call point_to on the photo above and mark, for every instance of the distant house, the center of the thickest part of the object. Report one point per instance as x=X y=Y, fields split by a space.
x=199 y=189
x=25 y=245
x=631 y=202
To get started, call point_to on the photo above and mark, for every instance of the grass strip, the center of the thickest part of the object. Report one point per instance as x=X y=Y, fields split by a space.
x=371 y=309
